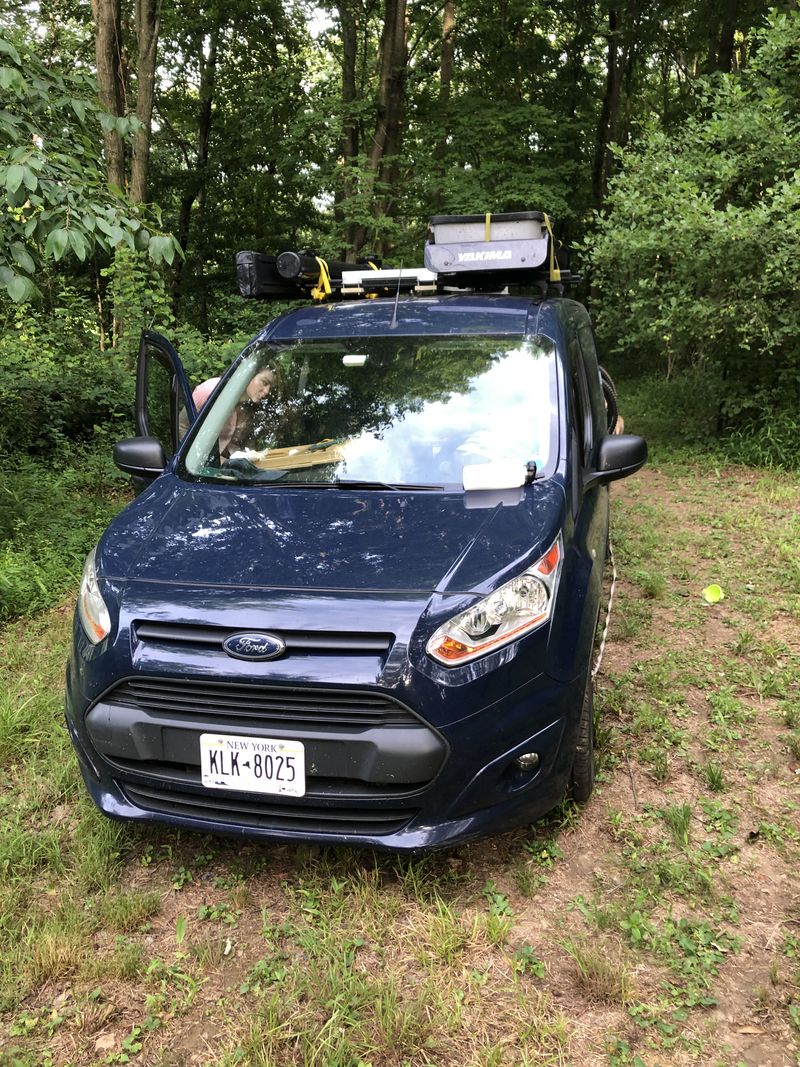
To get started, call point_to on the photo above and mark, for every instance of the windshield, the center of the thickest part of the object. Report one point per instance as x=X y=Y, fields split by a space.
x=385 y=410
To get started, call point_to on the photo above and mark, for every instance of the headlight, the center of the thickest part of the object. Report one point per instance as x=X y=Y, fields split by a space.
x=514 y=609
x=91 y=606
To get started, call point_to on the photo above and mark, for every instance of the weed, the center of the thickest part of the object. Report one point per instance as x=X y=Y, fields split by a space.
x=527 y=962
x=601 y=974
x=652 y=584
x=678 y=819
x=527 y=876
x=445 y=937
x=727 y=709
x=220 y=912
x=545 y=853
x=181 y=878
x=713 y=776
x=792 y=742
x=656 y=758
x=263 y=974
x=126 y=962
x=500 y=918
x=123 y=912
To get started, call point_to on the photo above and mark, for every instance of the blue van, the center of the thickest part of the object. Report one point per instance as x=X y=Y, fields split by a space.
x=356 y=600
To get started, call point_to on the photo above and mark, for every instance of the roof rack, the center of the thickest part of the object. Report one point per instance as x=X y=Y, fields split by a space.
x=476 y=252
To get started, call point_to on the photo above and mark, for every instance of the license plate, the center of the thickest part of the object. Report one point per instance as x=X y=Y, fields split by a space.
x=253 y=764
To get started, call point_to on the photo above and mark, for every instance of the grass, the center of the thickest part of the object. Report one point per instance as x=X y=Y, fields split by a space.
x=603 y=935
x=41 y=555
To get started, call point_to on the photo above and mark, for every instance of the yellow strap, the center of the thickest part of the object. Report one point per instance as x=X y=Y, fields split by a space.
x=371 y=296
x=488 y=226
x=555 y=273
x=323 y=286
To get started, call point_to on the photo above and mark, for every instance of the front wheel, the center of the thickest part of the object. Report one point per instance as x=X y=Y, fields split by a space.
x=582 y=778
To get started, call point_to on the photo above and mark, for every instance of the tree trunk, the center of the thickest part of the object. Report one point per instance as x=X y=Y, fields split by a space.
x=382 y=158
x=110 y=80
x=727 y=34
x=147 y=25
x=391 y=83
x=610 y=98
x=350 y=131
x=722 y=25
x=448 y=52
x=196 y=180
x=445 y=91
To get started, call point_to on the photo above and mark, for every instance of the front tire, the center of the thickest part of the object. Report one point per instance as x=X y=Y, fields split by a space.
x=582 y=778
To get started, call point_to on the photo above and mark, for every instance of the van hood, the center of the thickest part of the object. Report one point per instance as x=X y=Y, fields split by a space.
x=327 y=538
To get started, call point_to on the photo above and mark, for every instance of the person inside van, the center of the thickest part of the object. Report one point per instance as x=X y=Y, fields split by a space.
x=245 y=423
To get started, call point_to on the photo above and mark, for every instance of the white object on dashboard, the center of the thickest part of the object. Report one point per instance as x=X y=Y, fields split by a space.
x=502 y=474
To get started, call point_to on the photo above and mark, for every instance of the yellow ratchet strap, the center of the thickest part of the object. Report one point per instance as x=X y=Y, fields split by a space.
x=488 y=236
x=323 y=286
x=372 y=296
x=555 y=273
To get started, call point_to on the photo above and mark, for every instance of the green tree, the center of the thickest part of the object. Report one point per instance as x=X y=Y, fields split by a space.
x=697 y=254
x=55 y=199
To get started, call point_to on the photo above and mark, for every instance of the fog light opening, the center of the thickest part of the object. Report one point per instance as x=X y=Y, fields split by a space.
x=528 y=761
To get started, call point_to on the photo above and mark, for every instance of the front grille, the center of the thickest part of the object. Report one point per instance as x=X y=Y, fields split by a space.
x=305 y=642
x=269 y=703
x=265 y=815
x=317 y=786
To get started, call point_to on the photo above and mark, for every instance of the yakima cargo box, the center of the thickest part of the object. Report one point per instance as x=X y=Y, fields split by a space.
x=515 y=226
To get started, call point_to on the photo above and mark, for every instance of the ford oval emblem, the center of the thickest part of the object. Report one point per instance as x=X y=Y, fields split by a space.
x=254 y=646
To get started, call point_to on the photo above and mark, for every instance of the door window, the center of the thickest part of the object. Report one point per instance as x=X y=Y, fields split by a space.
x=589 y=353
x=163 y=397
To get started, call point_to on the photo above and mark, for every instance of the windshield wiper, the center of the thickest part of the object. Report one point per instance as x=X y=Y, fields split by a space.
x=394 y=487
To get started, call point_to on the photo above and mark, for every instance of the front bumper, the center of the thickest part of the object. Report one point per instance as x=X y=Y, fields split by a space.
x=477 y=787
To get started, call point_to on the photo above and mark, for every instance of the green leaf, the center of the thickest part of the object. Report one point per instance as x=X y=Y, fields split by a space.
x=180 y=929
x=20 y=288
x=8 y=77
x=6 y=48
x=56 y=243
x=79 y=108
x=78 y=243
x=141 y=239
x=14 y=177
x=162 y=248
x=30 y=180
x=23 y=258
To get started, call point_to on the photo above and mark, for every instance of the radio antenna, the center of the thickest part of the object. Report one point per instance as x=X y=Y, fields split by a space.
x=393 y=323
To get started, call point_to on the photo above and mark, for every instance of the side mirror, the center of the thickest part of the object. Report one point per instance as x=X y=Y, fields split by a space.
x=618 y=456
x=143 y=457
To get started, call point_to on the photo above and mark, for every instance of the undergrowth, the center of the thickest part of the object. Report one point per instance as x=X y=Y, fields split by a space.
x=680 y=417
x=51 y=513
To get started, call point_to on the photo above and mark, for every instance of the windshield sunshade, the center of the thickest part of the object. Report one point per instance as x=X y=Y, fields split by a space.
x=388 y=411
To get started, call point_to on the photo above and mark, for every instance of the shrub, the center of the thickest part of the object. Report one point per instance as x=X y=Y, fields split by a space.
x=696 y=254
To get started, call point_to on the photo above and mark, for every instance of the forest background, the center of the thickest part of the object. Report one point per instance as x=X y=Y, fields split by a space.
x=143 y=145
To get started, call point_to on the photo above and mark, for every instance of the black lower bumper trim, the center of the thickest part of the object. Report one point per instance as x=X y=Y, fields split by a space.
x=265 y=815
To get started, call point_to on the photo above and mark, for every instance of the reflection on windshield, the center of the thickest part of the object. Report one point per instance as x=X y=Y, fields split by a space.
x=387 y=410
